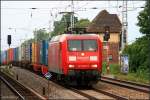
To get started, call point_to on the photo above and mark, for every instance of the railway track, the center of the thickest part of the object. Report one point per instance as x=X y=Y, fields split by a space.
x=18 y=89
x=127 y=84
x=82 y=91
x=94 y=92
x=87 y=95
x=118 y=97
x=98 y=91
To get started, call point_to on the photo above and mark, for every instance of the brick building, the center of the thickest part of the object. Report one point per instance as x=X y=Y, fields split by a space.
x=98 y=25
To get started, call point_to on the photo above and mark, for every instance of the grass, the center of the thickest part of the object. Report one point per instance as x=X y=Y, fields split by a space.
x=135 y=77
x=7 y=70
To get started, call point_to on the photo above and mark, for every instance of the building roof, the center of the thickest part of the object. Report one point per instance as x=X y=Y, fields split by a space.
x=104 y=19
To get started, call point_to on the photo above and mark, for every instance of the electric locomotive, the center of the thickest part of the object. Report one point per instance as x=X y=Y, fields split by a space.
x=75 y=59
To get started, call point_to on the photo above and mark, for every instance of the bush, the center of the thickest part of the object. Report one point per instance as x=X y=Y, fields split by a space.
x=114 y=68
x=138 y=54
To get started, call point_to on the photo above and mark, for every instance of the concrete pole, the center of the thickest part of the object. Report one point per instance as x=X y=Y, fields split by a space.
x=107 y=58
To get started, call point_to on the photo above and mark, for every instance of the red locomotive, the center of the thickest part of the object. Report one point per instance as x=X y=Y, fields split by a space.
x=77 y=59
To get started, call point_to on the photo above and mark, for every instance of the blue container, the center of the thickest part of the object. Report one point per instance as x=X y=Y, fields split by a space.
x=16 y=54
x=30 y=51
x=3 y=57
x=44 y=52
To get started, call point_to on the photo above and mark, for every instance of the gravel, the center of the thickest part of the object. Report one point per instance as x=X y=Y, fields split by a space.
x=38 y=83
x=6 y=93
x=97 y=95
x=129 y=93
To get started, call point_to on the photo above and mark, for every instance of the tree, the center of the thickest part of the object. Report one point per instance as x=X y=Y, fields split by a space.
x=41 y=34
x=27 y=41
x=82 y=23
x=139 y=55
x=144 y=24
x=144 y=19
x=63 y=24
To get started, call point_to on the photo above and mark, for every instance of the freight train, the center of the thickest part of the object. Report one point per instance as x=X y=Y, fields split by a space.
x=71 y=58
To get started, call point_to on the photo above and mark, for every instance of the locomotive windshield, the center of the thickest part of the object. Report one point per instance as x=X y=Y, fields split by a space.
x=82 y=45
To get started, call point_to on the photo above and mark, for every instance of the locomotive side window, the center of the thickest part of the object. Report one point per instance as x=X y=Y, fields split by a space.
x=82 y=45
x=89 y=45
x=74 y=45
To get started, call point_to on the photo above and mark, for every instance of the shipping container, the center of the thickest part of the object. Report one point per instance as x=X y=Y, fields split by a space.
x=28 y=52
x=44 y=52
x=3 y=57
x=16 y=54
x=10 y=55
x=25 y=52
x=20 y=53
x=35 y=53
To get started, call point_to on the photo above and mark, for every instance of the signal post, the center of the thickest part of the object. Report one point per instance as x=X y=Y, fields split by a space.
x=106 y=38
x=9 y=43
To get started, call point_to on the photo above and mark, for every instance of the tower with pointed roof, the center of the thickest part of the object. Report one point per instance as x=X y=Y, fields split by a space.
x=98 y=25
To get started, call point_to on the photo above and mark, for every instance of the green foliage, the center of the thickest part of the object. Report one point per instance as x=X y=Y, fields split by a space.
x=144 y=19
x=139 y=62
x=82 y=23
x=139 y=54
x=114 y=68
x=41 y=34
x=135 y=77
x=27 y=41
x=52 y=34
x=61 y=26
x=140 y=76
x=139 y=57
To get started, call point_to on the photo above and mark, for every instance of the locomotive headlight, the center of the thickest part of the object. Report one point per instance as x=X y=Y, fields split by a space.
x=71 y=66
x=72 y=58
x=93 y=58
x=94 y=66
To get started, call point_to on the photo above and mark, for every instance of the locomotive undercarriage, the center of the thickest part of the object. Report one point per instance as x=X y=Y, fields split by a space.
x=79 y=77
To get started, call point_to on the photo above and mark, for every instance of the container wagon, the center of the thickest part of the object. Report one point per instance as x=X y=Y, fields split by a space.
x=36 y=56
x=44 y=56
x=25 y=55
x=3 y=57
x=16 y=56
x=10 y=55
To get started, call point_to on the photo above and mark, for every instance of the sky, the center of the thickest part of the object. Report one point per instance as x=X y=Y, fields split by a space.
x=19 y=20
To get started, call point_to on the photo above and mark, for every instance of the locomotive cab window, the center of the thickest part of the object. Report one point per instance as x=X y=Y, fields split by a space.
x=89 y=45
x=82 y=45
x=74 y=45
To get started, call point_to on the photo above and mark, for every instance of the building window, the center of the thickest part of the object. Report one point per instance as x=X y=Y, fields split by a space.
x=110 y=57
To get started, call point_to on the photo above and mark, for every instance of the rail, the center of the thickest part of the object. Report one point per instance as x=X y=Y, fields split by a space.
x=118 y=97
x=87 y=95
x=127 y=84
x=19 y=89
x=12 y=88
